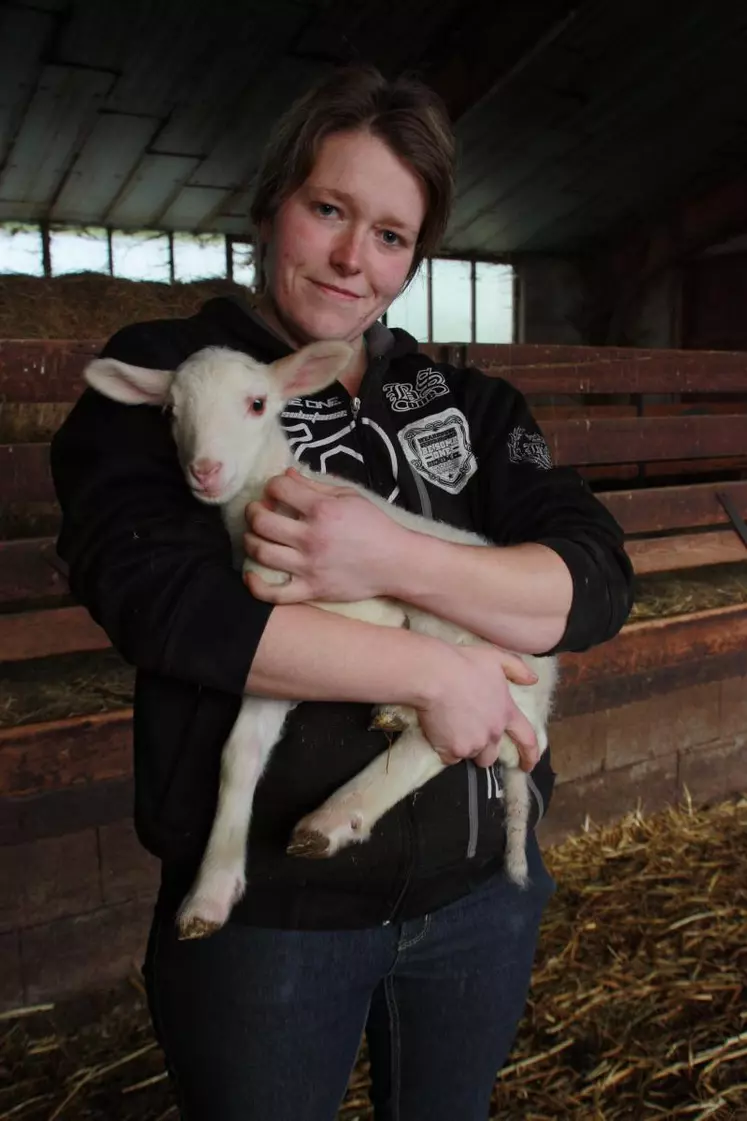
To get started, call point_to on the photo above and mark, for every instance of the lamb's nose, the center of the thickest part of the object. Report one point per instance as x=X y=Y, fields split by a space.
x=205 y=470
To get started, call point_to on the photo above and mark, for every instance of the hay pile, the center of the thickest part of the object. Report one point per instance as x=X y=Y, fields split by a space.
x=90 y=305
x=637 y=1007
x=69 y=685
x=663 y=595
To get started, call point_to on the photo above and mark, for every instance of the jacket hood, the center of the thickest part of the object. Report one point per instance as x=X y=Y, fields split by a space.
x=239 y=318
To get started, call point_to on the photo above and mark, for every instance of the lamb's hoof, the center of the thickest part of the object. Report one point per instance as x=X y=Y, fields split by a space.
x=309 y=843
x=387 y=722
x=195 y=927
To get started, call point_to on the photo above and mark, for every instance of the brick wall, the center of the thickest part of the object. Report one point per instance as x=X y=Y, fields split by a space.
x=74 y=912
x=649 y=751
x=74 y=909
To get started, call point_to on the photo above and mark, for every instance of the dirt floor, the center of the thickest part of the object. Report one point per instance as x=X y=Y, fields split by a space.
x=638 y=1006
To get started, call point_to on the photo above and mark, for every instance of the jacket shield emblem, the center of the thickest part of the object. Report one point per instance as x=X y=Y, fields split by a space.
x=438 y=448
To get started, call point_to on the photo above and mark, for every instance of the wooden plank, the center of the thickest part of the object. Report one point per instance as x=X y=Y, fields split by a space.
x=579 y=411
x=577 y=369
x=672 y=467
x=42 y=634
x=623 y=689
x=656 y=509
x=24 y=473
x=645 y=439
x=44 y=370
x=687 y=550
x=30 y=570
x=643 y=648
x=38 y=758
x=51 y=370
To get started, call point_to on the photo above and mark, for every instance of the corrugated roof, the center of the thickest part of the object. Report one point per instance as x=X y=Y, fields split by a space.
x=572 y=118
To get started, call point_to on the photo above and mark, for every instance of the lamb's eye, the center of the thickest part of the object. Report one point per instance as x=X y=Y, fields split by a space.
x=256 y=405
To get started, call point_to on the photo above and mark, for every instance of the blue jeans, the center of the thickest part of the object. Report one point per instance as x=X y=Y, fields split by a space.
x=265 y=1025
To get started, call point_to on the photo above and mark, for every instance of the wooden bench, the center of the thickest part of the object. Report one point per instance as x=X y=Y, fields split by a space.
x=661 y=436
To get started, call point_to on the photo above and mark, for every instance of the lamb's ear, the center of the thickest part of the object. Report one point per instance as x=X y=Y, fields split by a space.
x=312 y=367
x=132 y=385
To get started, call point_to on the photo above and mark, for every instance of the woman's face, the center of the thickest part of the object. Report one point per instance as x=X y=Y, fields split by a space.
x=340 y=248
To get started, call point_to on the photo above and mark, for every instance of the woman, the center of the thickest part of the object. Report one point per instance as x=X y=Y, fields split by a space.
x=415 y=937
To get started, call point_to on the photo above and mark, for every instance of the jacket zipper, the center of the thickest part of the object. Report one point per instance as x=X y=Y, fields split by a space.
x=355 y=408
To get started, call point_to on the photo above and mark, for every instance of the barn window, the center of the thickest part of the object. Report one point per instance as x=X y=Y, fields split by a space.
x=410 y=310
x=197 y=257
x=242 y=262
x=141 y=256
x=21 y=250
x=470 y=301
x=78 y=250
x=494 y=303
x=452 y=301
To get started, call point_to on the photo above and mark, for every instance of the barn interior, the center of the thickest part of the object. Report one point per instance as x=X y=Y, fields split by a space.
x=598 y=255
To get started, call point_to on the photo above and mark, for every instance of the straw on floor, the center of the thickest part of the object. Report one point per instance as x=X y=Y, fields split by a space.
x=637 y=1008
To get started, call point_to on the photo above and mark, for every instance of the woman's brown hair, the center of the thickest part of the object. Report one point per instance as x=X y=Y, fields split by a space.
x=405 y=114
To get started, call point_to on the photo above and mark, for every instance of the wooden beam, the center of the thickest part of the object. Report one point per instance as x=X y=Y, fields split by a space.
x=571 y=369
x=24 y=473
x=656 y=509
x=482 y=54
x=642 y=648
x=44 y=370
x=38 y=758
x=645 y=439
x=42 y=634
x=687 y=550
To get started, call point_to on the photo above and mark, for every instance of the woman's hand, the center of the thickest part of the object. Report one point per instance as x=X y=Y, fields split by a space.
x=470 y=707
x=335 y=544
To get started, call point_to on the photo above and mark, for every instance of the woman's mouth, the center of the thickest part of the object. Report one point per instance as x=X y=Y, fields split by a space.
x=335 y=292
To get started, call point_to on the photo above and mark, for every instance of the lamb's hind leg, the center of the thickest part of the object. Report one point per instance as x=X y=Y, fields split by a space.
x=517 y=812
x=352 y=811
x=221 y=879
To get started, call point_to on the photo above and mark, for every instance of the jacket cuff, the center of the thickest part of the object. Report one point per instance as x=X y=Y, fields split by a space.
x=591 y=619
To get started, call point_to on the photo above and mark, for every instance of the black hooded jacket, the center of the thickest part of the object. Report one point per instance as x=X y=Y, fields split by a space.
x=153 y=566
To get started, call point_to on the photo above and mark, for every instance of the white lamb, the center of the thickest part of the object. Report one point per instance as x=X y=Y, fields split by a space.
x=226 y=424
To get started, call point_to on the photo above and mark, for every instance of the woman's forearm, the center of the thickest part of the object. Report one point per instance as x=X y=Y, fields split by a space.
x=309 y=654
x=517 y=597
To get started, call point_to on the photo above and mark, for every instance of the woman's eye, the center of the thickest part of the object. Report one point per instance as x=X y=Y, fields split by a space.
x=326 y=209
x=390 y=238
x=256 y=405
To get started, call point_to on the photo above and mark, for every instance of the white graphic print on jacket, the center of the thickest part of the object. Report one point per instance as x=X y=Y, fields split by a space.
x=438 y=447
x=528 y=447
x=316 y=432
x=404 y=397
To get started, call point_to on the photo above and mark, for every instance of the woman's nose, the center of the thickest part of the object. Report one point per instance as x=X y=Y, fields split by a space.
x=346 y=253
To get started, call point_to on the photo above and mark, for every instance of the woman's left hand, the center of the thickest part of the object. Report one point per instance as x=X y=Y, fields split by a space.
x=336 y=545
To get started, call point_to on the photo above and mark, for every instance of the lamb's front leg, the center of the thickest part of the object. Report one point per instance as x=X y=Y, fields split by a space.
x=221 y=879
x=351 y=812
